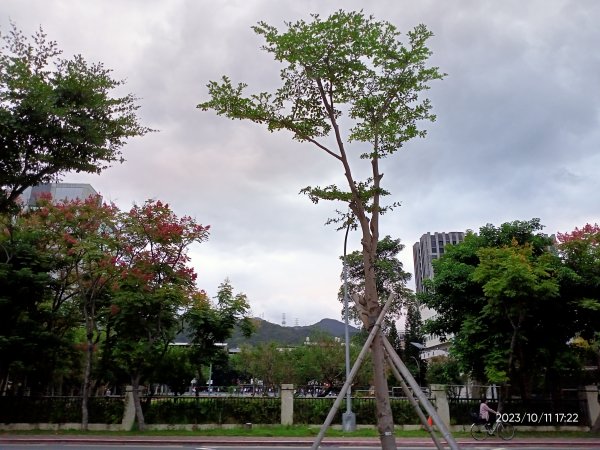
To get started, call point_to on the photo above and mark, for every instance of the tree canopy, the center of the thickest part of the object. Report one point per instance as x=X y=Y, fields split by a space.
x=210 y=323
x=84 y=284
x=390 y=273
x=497 y=296
x=580 y=253
x=56 y=115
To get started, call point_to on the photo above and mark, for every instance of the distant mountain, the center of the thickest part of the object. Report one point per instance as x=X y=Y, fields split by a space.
x=334 y=327
x=271 y=332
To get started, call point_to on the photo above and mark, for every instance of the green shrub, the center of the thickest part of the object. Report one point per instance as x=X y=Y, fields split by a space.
x=217 y=410
x=19 y=409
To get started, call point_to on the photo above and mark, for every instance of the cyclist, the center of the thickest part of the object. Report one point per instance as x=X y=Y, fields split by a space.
x=484 y=413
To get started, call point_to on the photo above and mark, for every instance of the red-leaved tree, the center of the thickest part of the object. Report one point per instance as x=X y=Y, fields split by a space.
x=580 y=251
x=155 y=283
x=80 y=236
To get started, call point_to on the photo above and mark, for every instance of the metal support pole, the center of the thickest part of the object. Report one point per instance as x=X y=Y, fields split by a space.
x=420 y=396
x=415 y=405
x=353 y=372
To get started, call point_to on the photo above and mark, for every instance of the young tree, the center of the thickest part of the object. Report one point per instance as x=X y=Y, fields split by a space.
x=156 y=284
x=56 y=115
x=354 y=65
x=211 y=323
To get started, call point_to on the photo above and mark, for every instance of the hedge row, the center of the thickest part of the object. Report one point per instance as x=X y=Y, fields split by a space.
x=19 y=409
x=193 y=410
x=218 y=410
x=239 y=410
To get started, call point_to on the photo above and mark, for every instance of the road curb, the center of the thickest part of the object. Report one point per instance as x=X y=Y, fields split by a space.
x=257 y=442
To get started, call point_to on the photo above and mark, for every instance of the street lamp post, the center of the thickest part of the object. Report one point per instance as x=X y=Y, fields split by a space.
x=418 y=370
x=348 y=418
x=420 y=347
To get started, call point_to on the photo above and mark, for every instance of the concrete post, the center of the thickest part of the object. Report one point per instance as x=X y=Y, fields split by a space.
x=128 y=410
x=593 y=407
x=287 y=404
x=441 y=402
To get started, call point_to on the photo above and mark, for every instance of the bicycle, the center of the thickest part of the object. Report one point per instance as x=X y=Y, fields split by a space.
x=479 y=430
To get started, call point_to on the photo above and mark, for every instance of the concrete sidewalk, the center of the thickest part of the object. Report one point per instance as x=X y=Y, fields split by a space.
x=283 y=441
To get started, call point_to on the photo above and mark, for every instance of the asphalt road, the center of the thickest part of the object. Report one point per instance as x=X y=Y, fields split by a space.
x=48 y=446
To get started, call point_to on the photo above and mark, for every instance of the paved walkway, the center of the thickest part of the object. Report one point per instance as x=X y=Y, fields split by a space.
x=284 y=441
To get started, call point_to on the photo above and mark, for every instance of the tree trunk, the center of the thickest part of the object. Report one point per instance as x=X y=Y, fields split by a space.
x=596 y=423
x=385 y=420
x=511 y=355
x=85 y=393
x=139 y=414
x=3 y=381
x=596 y=426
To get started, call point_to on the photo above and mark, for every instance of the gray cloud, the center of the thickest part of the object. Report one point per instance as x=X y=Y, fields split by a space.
x=516 y=135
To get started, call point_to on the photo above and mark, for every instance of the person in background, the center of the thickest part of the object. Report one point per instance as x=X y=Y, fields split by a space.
x=484 y=412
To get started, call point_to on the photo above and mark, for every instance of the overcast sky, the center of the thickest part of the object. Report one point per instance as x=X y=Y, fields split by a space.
x=516 y=137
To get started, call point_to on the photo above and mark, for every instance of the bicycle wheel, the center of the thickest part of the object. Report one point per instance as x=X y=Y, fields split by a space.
x=506 y=431
x=479 y=432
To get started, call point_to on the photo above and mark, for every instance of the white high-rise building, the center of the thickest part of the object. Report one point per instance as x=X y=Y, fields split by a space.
x=431 y=246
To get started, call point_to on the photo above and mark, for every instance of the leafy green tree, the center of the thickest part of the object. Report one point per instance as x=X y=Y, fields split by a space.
x=56 y=115
x=24 y=286
x=223 y=371
x=394 y=337
x=266 y=363
x=413 y=334
x=497 y=293
x=322 y=360
x=210 y=323
x=38 y=303
x=444 y=370
x=175 y=369
x=515 y=284
x=346 y=69
x=319 y=361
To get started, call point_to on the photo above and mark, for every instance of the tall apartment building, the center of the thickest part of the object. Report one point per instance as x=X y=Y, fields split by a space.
x=431 y=246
